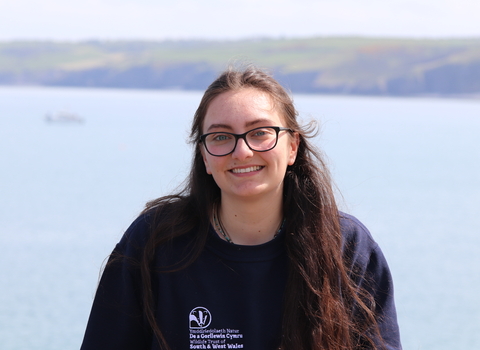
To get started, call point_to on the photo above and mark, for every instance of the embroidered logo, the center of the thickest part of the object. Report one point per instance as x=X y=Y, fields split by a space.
x=200 y=318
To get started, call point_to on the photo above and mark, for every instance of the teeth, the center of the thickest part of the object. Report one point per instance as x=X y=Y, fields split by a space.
x=246 y=170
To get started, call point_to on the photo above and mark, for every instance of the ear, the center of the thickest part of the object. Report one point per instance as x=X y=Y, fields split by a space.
x=205 y=160
x=294 y=143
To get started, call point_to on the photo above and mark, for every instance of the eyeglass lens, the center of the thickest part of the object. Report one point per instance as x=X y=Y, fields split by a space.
x=259 y=139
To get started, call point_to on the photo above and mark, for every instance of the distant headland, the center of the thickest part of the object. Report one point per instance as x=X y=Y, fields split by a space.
x=327 y=65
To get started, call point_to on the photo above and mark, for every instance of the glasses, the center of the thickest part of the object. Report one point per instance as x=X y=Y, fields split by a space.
x=262 y=139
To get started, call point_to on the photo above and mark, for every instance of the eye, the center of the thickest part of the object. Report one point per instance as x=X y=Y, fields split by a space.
x=262 y=133
x=220 y=137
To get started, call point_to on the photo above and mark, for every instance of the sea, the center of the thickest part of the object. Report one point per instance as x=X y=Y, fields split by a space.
x=408 y=168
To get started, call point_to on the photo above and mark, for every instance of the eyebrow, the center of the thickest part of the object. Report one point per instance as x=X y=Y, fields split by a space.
x=228 y=127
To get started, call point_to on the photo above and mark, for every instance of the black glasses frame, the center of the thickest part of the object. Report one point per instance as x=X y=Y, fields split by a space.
x=244 y=137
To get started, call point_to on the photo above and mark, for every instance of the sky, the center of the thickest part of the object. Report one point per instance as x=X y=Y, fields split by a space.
x=69 y=20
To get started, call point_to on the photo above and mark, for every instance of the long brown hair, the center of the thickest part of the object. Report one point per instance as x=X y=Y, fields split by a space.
x=323 y=308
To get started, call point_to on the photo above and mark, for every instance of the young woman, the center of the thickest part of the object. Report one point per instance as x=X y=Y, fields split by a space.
x=253 y=253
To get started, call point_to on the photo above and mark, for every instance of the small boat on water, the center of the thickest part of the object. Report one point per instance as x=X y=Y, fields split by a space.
x=63 y=117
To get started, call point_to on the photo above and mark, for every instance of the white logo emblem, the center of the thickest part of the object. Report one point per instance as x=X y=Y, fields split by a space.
x=200 y=317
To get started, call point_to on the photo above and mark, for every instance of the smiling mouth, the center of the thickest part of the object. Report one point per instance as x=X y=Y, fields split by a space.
x=246 y=170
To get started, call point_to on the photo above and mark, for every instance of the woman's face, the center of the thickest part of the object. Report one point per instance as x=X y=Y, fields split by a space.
x=247 y=174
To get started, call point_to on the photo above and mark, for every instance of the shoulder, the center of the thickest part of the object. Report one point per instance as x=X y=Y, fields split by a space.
x=355 y=233
x=136 y=236
x=369 y=270
x=155 y=227
x=361 y=252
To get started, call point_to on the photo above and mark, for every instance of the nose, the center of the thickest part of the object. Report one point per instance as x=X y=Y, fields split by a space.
x=242 y=151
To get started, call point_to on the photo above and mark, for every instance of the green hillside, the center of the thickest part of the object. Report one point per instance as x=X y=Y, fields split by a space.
x=313 y=65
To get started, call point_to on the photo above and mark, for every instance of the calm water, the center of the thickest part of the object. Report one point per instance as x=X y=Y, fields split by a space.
x=408 y=168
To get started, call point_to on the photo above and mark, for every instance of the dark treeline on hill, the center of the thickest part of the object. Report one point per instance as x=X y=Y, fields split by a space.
x=365 y=66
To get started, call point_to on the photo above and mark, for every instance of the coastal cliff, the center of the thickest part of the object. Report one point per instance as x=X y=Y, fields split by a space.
x=361 y=66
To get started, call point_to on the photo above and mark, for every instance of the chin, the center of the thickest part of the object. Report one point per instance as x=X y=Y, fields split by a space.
x=252 y=192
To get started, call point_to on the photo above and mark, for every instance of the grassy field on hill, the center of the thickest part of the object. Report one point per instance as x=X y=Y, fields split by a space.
x=342 y=65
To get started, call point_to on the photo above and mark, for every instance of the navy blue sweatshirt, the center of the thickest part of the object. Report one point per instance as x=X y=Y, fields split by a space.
x=229 y=298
